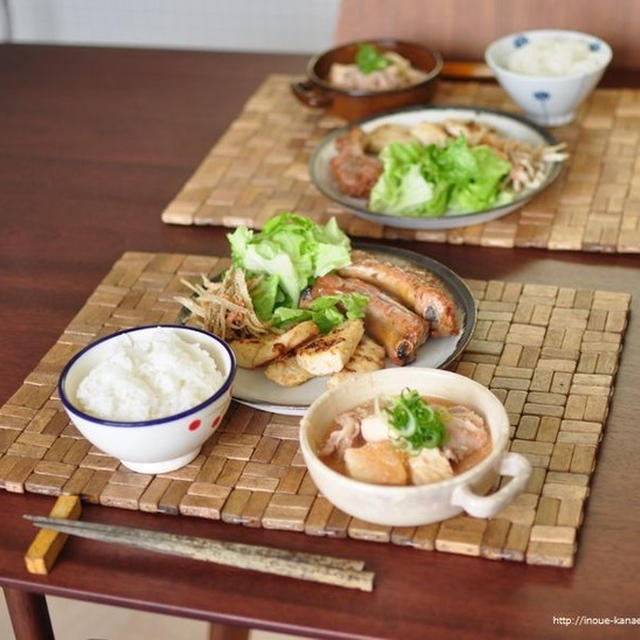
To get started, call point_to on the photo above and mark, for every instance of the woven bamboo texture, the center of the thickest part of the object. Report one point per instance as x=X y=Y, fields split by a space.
x=549 y=353
x=260 y=167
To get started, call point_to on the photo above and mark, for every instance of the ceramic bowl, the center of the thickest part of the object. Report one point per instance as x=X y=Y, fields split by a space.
x=408 y=506
x=353 y=104
x=547 y=100
x=162 y=444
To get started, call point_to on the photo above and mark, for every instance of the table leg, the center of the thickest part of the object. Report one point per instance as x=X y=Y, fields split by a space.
x=227 y=632
x=29 y=615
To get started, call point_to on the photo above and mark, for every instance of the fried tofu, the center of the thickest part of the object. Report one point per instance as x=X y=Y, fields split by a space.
x=368 y=356
x=286 y=372
x=329 y=353
x=256 y=352
x=376 y=462
x=429 y=466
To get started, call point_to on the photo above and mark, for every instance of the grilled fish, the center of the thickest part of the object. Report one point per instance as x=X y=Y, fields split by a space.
x=387 y=321
x=420 y=290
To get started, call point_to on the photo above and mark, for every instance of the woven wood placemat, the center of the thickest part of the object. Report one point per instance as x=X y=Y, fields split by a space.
x=260 y=167
x=549 y=353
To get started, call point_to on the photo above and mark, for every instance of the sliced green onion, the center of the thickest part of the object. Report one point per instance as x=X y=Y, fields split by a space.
x=414 y=425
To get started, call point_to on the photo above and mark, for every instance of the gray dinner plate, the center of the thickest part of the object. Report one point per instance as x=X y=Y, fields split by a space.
x=253 y=388
x=507 y=124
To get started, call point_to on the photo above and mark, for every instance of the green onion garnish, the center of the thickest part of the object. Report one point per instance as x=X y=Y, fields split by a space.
x=369 y=58
x=414 y=424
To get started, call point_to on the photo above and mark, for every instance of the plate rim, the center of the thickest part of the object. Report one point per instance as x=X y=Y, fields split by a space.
x=426 y=262
x=386 y=218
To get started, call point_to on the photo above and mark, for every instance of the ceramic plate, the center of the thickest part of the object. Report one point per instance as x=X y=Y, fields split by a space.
x=253 y=388
x=508 y=125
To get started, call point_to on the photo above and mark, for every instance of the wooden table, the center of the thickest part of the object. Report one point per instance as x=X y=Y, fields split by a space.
x=93 y=144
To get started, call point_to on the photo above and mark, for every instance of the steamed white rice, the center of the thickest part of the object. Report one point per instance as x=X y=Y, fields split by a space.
x=153 y=374
x=555 y=56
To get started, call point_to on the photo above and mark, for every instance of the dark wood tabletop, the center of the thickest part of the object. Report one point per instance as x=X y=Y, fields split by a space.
x=93 y=144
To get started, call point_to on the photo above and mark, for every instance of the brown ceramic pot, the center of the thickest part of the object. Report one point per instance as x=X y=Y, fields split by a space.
x=354 y=104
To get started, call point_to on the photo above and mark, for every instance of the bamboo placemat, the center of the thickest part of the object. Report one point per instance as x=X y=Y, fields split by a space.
x=260 y=167
x=549 y=353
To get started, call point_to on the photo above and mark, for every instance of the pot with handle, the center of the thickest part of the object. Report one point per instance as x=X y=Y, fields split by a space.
x=315 y=91
x=421 y=504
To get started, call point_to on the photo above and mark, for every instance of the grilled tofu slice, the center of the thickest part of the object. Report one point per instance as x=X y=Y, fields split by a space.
x=255 y=352
x=287 y=372
x=329 y=353
x=368 y=356
x=246 y=350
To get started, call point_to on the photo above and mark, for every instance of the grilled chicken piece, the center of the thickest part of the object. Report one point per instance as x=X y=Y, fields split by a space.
x=430 y=465
x=429 y=133
x=386 y=320
x=286 y=372
x=354 y=172
x=473 y=132
x=417 y=288
x=376 y=462
x=466 y=431
x=352 y=141
x=385 y=134
x=255 y=352
x=329 y=353
x=368 y=356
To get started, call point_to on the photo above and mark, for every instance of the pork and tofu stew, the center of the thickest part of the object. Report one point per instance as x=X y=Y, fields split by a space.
x=406 y=440
x=375 y=70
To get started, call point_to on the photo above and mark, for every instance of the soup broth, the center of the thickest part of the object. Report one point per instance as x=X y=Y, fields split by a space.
x=350 y=448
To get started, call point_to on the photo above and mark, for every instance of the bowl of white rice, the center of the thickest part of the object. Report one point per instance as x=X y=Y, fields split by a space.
x=549 y=72
x=149 y=396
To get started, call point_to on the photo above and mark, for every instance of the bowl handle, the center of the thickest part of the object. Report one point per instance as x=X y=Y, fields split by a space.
x=311 y=94
x=512 y=464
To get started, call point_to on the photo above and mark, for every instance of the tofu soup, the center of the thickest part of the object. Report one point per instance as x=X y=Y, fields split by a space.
x=406 y=440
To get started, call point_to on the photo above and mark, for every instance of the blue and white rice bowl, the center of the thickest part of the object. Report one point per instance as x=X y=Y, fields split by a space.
x=157 y=445
x=549 y=100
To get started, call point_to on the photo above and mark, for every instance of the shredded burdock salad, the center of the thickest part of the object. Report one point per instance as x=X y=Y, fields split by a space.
x=225 y=307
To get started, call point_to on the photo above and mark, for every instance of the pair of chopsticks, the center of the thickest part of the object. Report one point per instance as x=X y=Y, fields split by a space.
x=293 y=564
x=465 y=70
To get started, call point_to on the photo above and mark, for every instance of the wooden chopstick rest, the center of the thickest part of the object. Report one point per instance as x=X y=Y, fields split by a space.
x=46 y=546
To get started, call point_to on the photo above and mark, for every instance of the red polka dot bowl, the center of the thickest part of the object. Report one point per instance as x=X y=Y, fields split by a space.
x=161 y=444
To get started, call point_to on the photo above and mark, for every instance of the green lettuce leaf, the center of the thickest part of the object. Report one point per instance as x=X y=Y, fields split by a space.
x=326 y=311
x=294 y=250
x=428 y=180
x=284 y=317
x=264 y=294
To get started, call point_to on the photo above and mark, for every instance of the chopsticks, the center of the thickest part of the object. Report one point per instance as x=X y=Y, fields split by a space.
x=339 y=572
x=465 y=70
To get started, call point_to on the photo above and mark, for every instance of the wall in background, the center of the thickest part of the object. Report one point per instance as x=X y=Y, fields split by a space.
x=4 y=35
x=303 y=26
